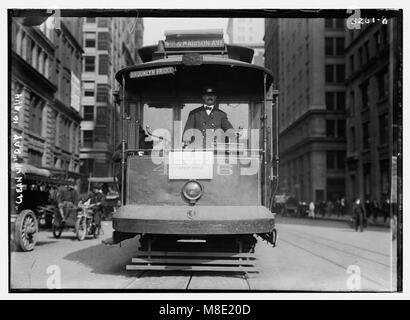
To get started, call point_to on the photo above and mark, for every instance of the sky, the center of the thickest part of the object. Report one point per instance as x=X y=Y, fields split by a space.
x=154 y=27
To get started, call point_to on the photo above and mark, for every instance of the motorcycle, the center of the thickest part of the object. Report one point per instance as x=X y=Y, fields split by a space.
x=88 y=220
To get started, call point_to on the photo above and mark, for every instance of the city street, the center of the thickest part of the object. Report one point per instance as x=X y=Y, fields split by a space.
x=311 y=255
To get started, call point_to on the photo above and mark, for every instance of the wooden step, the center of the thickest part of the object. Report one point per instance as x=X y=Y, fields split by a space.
x=232 y=255
x=190 y=268
x=194 y=261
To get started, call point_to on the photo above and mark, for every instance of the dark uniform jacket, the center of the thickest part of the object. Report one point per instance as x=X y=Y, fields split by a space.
x=199 y=119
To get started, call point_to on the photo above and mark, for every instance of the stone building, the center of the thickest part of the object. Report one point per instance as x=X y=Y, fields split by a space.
x=371 y=60
x=45 y=71
x=109 y=45
x=307 y=58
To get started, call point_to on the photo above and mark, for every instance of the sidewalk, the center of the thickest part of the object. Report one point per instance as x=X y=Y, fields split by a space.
x=346 y=218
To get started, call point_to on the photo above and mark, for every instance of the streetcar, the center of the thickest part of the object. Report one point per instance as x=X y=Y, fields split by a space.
x=196 y=199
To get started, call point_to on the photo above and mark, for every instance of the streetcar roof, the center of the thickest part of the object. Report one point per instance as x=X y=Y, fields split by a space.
x=173 y=77
x=178 y=60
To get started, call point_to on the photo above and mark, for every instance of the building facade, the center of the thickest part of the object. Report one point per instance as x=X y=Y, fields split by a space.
x=46 y=67
x=371 y=65
x=307 y=59
x=248 y=32
x=109 y=45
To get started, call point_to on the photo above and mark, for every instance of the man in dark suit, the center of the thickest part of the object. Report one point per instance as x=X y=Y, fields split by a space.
x=206 y=117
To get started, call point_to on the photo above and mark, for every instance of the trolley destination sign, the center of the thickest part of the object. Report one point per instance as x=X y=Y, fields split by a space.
x=204 y=43
x=152 y=72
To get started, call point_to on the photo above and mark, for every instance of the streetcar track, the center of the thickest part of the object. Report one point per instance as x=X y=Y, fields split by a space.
x=334 y=263
x=340 y=242
x=189 y=281
x=245 y=277
x=341 y=250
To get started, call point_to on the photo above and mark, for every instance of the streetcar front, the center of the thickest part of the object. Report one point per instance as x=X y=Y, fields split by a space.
x=200 y=185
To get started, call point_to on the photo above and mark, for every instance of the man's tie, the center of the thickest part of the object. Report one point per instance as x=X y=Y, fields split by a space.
x=208 y=108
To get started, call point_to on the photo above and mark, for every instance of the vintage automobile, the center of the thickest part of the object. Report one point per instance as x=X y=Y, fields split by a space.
x=30 y=206
x=188 y=200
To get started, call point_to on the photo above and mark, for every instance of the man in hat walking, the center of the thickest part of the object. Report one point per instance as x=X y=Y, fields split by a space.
x=206 y=117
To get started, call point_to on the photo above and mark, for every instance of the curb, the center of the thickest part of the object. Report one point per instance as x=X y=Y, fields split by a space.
x=348 y=221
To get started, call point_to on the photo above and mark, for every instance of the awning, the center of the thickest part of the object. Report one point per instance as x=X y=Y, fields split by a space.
x=29 y=169
x=102 y=180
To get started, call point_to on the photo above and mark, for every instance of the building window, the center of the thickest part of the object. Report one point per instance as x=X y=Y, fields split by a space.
x=89 y=65
x=335 y=101
x=383 y=84
x=328 y=23
x=352 y=140
x=103 y=64
x=330 y=128
x=36 y=114
x=340 y=73
x=384 y=129
x=340 y=101
x=366 y=53
x=340 y=46
x=103 y=41
x=341 y=129
x=334 y=23
x=364 y=88
x=352 y=66
x=103 y=22
x=335 y=159
x=366 y=136
x=334 y=46
x=46 y=65
x=88 y=138
x=340 y=23
x=377 y=40
x=102 y=93
x=360 y=52
x=88 y=92
x=352 y=108
x=90 y=20
x=329 y=46
x=89 y=39
x=330 y=101
x=335 y=73
x=384 y=37
x=329 y=73
x=88 y=113
x=35 y=158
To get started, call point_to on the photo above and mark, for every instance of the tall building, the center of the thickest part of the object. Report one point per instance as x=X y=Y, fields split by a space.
x=248 y=32
x=110 y=44
x=307 y=58
x=46 y=67
x=371 y=60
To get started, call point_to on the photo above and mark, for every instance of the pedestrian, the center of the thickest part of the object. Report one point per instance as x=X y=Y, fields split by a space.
x=311 y=210
x=337 y=207
x=329 y=208
x=322 y=208
x=67 y=200
x=368 y=207
x=375 y=209
x=386 y=209
x=342 y=206
x=359 y=215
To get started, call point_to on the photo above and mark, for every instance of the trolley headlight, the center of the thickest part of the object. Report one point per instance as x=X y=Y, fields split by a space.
x=192 y=191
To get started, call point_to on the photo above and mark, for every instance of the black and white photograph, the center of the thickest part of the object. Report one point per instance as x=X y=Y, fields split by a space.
x=205 y=150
